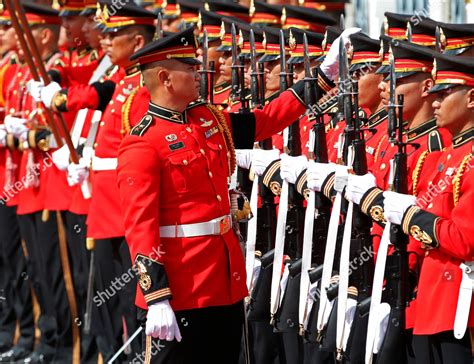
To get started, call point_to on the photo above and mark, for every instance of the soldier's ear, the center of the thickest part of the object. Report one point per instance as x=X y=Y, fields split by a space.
x=140 y=42
x=427 y=84
x=164 y=77
x=470 y=99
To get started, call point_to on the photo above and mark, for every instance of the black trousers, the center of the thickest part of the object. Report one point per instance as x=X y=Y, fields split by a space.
x=15 y=291
x=79 y=257
x=210 y=335
x=114 y=298
x=442 y=348
x=46 y=275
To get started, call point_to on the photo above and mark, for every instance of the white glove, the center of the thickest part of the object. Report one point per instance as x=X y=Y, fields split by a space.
x=161 y=322
x=291 y=167
x=263 y=158
x=330 y=65
x=61 y=158
x=357 y=186
x=317 y=174
x=16 y=126
x=34 y=88
x=48 y=92
x=77 y=173
x=395 y=206
x=3 y=136
x=243 y=157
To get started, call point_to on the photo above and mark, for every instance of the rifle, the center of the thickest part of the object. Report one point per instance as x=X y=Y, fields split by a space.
x=31 y=65
x=159 y=27
x=397 y=293
x=25 y=29
x=254 y=75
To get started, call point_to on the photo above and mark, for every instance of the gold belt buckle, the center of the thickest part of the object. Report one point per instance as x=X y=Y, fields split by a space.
x=224 y=225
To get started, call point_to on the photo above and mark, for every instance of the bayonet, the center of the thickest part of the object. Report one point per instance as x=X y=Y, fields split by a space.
x=438 y=39
x=204 y=90
x=342 y=23
x=254 y=72
x=283 y=74
x=159 y=27
x=392 y=118
x=309 y=91
x=235 y=66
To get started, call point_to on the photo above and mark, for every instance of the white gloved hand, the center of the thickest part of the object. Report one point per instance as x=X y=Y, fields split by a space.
x=34 y=88
x=16 y=126
x=3 y=136
x=161 y=322
x=77 y=173
x=263 y=158
x=48 y=92
x=395 y=205
x=291 y=167
x=243 y=157
x=357 y=186
x=317 y=174
x=330 y=65
x=61 y=158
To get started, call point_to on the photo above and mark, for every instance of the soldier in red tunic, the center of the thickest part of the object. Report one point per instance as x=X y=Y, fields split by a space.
x=441 y=222
x=189 y=261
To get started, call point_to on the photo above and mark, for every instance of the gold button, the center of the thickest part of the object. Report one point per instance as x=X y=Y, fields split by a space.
x=210 y=174
x=382 y=167
x=113 y=110
x=203 y=152
x=74 y=64
x=219 y=198
x=220 y=146
x=185 y=162
x=27 y=112
x=15 y=92
x=20 y=74
x=449 y=157
x=102 y=123
x=188 y=129
x=95 y=145
x=427 y=253
x=430 y=205
x=111 y=102
x=122 y=82
x=12 y=110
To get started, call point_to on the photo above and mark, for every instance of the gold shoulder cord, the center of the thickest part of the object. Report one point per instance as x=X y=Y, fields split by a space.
x=126 y=107
x=457 y=178
x=2 y=73
x=417 y=171
x=224 y=129
x=377 y=150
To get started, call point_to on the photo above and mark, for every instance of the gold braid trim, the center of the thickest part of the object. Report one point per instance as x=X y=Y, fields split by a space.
x=126 y=107
x=377 y=150
x=2 y=74
x=417 y=171
x=457 y=178
x=227 y=134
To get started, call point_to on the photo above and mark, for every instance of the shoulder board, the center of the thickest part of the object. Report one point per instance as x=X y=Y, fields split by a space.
x=142 y=126
x=94 y=55
x=435 y=143
x=196 y=103
x=59 y=62
x=14 y=59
